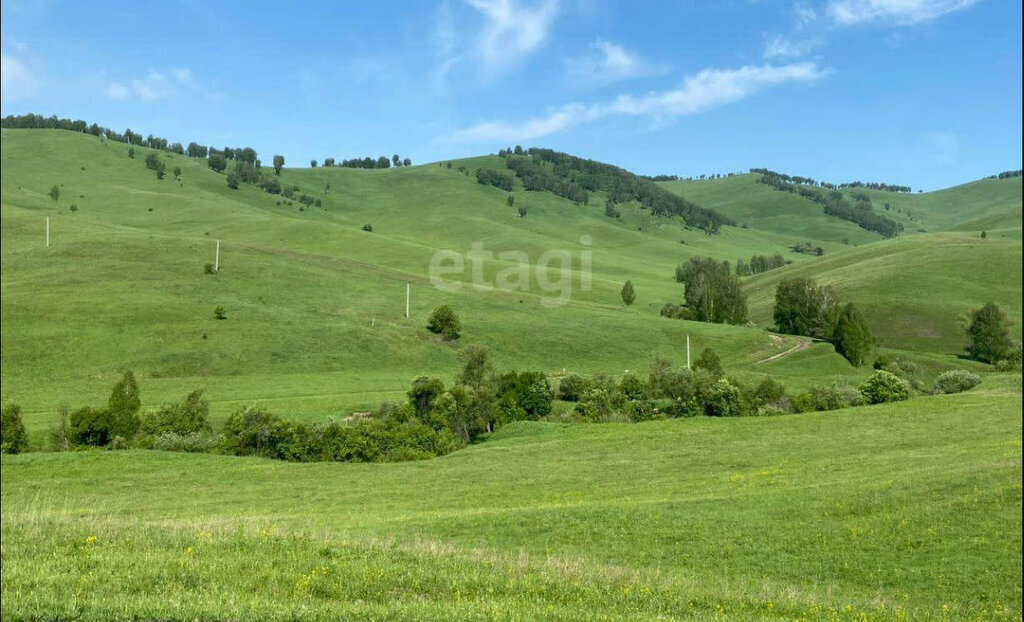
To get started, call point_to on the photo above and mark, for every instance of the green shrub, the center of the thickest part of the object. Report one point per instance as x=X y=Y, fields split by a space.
x=191 y=416
x=252 y=431
x=594 y=406
x=709 y=362
x=956 y=381
x=883 y=387
x=525 y=395
x=13 y=438
x=219 y=313
x=209 y=269
x=631 y=387
x=368 y=228
x=722 y=400
x=444 y=322
x=572 y=387
x=835 y=395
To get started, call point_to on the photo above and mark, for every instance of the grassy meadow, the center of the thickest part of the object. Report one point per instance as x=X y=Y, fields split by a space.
x=905 y=511
x=895 y=512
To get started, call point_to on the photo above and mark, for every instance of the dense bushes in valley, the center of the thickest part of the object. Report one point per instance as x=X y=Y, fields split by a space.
x=436 y=419
x=574 y=178
x=804 y=308
x=856 y=208
x=711 y=291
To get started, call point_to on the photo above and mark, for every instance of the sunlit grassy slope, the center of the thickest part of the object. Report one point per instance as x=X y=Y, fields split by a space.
x=314 y=304
x=908 y=511
x=914 y=288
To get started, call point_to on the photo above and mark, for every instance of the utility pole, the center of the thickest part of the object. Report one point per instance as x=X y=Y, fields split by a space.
x=216 y=258
x=47 y=232
x=407 y=293
x=687 y=350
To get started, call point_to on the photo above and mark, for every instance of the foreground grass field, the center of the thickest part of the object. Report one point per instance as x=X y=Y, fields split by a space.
x=896 y=512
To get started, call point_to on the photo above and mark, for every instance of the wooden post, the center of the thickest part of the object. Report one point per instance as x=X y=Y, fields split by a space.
x=47 y=232
x=407 y=287
x=216 y=258
x=687 y=351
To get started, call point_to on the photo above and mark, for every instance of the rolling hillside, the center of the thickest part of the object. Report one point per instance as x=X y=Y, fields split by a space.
x=314 y=304
x=910 y=510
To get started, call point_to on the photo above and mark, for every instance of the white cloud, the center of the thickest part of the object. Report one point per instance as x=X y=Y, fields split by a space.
x=608 y=62
x=16 y=80
x=156 y=85
x=706 y=90
x=511 y=32
x=902 y=12
x=803 y=15
x=783 y=47
x=445 y=40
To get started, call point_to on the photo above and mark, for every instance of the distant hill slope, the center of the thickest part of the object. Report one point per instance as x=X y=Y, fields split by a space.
x=987 y=204
x=761 y=207
x=314 y=304
x=913 y=288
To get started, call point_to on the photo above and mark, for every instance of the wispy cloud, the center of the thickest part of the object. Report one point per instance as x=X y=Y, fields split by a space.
x=445 y=40
x=901 y=12
x=16 y=79
x=609 y=62
x=700 y=92
x=156 y=85
x=511 y=32
x=783 y=47
x=803 y=15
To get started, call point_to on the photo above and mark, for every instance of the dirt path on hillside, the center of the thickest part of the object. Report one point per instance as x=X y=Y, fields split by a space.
x=801 y=345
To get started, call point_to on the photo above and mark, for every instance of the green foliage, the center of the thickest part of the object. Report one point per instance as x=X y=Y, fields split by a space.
x=988 y=334
x=368 y=228
x=424 y=392
x=804 y=308
x=709 y=362
x=956 y=381
x=852 y=336
x=835 y=395
x=490 y=177
x=524 y=395
x=253 y=431
x=632 y=387
x=278 y=164
x=628 y=293
x=114 y=425
x=193 y=442
x=217 y=162
x=190 y=416
x=883 y=387
x=521 y=211
x=208 y=268
x=712 y=292
x=220 y=313
x=722 y=400
x=54 y=192
x=478 y=369
x=13 y=438
x=444 y=322
x=572 y=387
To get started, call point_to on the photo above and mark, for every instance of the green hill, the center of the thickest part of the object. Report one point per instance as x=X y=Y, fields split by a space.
x=315 y=306
x=900 y=511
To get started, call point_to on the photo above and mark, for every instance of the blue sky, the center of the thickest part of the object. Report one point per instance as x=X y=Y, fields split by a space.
x=925 y=93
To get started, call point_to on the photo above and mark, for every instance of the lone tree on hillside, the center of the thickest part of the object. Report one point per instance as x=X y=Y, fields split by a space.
x=988 y=334
x=628 y=293
x=852 y=336
x=54 y=192
x=444 y=322
x=278 y=164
